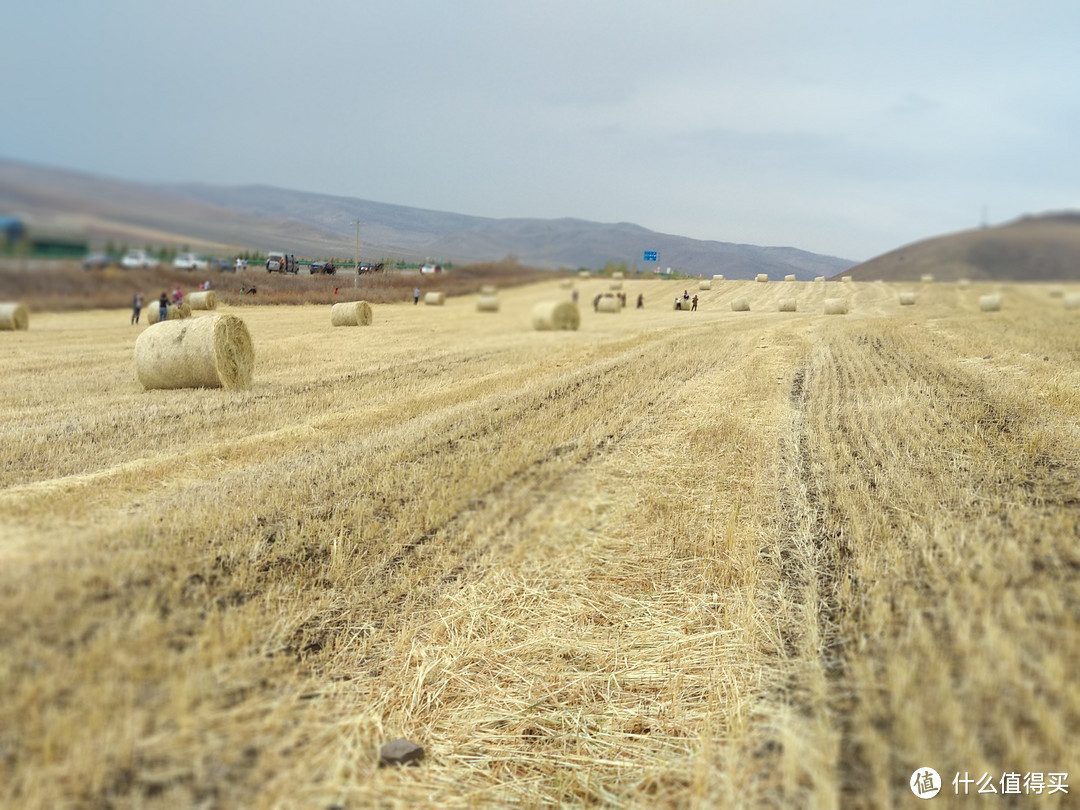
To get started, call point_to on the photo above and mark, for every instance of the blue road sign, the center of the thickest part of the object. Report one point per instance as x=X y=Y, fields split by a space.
x=650 y=256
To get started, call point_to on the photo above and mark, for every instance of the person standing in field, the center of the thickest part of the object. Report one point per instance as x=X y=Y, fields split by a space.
x=693 y=301
x=163 y=307
x=416 y=296
x=136 y=308
x=641 y=301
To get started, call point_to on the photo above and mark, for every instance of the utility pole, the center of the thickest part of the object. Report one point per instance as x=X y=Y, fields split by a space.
x=356 y=267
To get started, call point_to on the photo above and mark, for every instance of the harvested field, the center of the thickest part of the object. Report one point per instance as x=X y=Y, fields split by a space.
x=739 y=559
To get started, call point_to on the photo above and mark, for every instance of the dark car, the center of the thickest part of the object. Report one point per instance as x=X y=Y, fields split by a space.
x=223 y=265
x=323 y=267
x=368 y=267
x=97 y=261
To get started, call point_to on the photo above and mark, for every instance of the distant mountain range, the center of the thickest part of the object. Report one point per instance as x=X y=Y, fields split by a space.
x=1033 y=248
x=226 y=220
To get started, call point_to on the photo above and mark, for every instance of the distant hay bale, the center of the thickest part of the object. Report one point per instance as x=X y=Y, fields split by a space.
x=13 y=316
x=926 y=278
x=819 y=278
x=205 y=299
x=846 y=279
x=487 y=303
x=718 y=277
x=435 y=299
x=762 y=277
x=618 y=275
x=964 y=283
x=211 y=352
x=609 y=304
x=788 y=305
x=1056 y=291
x=584 y=274
x=1072 y=301
x=704 y=285
x=990 y=303
x=740 y=305
x=907 y=299
x=172 y=312
x=351 y=313
x=490 y=289
x=789 y=277
x=836 y=306
x=616 y=285
x=554 y=315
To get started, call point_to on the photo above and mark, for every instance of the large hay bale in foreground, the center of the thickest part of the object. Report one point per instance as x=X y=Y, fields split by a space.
x=704 y=285
x=172 y=312
x=990 y=303
x=487 y=303
x=204 y=299
x=789 y=277
x=762 y=277
x=907 y=299
x=211 y=352
x=13 y=315
x=835 y=306
x=555 y=315
x=740 y=305
x=788 y=305
x=609 y=303
x=1072 y=301
x=351 y=313
x=435 y=299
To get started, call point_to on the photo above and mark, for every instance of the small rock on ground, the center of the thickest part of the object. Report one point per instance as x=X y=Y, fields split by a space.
x=400 y=752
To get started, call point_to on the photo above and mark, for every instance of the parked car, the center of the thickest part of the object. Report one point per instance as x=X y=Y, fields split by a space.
x=222 y=265
x=189 y=261
x=368 y=267
x=322 y=267
x=277 y=262
x=138 y=259
x=97 y=261
x=431 y=269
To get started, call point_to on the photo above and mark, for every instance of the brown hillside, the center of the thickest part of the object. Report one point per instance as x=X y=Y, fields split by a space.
x=1041 y=248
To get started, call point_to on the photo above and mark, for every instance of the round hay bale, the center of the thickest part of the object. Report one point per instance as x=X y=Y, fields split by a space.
x=762 y=277
x=567 y=284
x=718 y=277
x=907 y=299
x=740 y=305
x=846 y=278
x=212 y=352
x=1056 y=291
x=488 y=289
x=554 y=315
x=926 y=278
x=609 y=304
x=819 y=278
x=435 y=299
x=172 y=312
x=583 y=274
x=616 y=285
x=350 y=313
x=963 y=283
x=487 y=303
x=1072 y=301
x=617 y=275
x=990 y=303
x=788 y=305
x=704 y=285
x=13 y=315
x=205 y=299
x=835 y=306
x=789 y=277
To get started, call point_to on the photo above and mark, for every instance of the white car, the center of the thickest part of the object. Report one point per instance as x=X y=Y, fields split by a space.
x=189 y=261
x=138 y=259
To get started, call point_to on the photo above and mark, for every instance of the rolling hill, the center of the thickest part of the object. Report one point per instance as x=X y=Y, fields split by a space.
x=230 y=219
x=1033 y=248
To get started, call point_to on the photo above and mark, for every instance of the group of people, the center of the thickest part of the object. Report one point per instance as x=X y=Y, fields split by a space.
x=163 y=302
x=622 y=300
x=682 y=301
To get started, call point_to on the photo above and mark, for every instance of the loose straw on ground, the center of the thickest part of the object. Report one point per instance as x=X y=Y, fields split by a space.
x=13 y=315
x=555 y=315
x=351 y=313
x=208 y=352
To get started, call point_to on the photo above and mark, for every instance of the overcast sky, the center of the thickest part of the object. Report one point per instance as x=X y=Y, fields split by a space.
x=845 y=127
